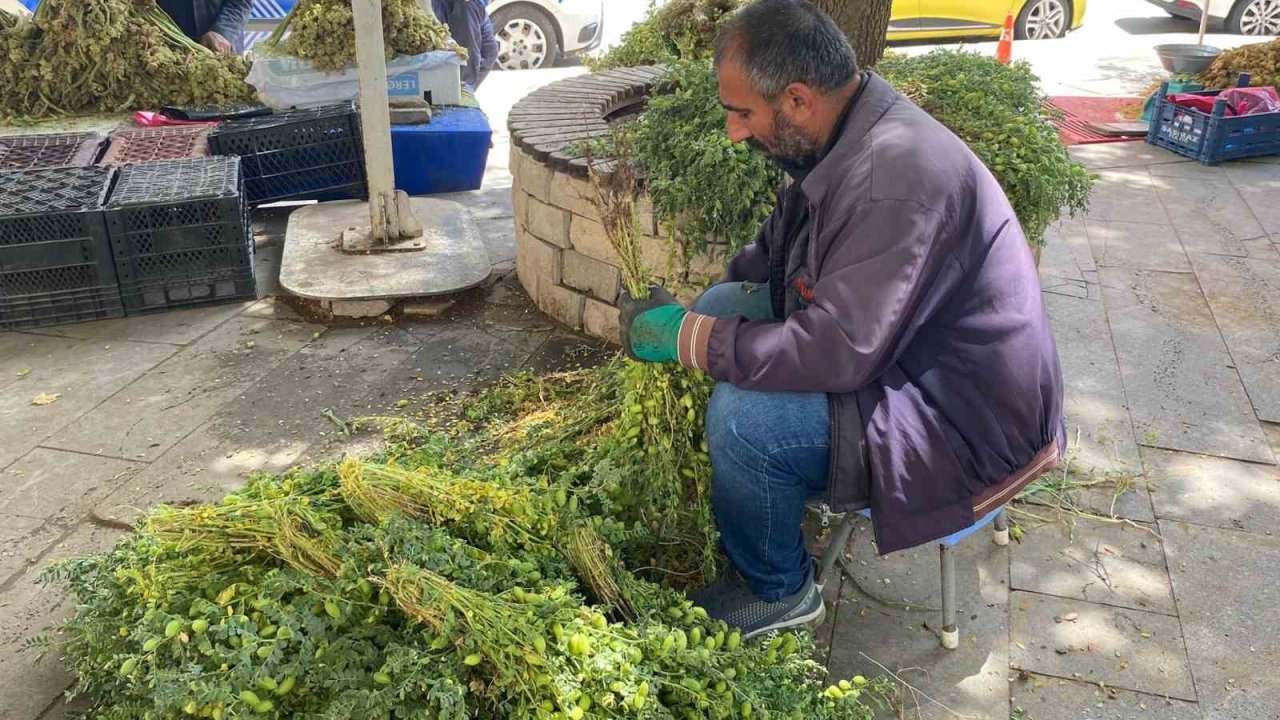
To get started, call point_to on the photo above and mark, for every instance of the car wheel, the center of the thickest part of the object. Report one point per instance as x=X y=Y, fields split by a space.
x=1043 y=19
x=526 y=38
x=1255 y=17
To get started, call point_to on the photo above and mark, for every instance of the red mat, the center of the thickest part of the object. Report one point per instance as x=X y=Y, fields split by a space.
x=1079 y=112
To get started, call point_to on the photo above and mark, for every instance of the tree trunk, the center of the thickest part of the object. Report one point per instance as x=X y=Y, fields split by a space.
x=865 y=22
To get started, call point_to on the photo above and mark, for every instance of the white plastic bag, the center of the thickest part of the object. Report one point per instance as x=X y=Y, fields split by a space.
x=283 y=81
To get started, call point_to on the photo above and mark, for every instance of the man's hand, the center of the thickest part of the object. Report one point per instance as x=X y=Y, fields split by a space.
x=650 y=328
x=216 y=43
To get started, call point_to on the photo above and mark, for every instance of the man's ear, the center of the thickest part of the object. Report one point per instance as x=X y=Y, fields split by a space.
x=800 y=99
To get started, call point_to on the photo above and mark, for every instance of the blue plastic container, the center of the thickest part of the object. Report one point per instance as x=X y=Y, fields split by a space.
x=447 y=154
x=1214 y=137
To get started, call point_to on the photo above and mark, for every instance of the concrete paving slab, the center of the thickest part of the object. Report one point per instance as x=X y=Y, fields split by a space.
x=564 y=351
x=461 y=356
x=1048 y=698
x=1128 y=649
x=1258 y=184
x=1136 y=246
x=1122 y=155
x=1186 y=170
x=1097 y=413
x=30 y=687
x=1066 y=262
x=1209 y=216
x=1224 y=582
x=273 y=307
x=1104 y=562
x=493 y=200
x=15 y=532
x=274 y=424
x=1182 y=388
x=1222 y=493
x=151 y=415
x=1244 y=295
x=54 y=484
x=972 y=680
x=499 y=237
x=454 y=257
x=83 y=373
x=176 y=327
x=1126 y=195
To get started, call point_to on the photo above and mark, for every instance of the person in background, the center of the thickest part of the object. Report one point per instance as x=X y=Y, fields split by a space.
x=215 y=24
x=469 y=23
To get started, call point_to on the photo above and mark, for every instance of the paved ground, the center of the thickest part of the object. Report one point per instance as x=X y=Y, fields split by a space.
x=1166 y=304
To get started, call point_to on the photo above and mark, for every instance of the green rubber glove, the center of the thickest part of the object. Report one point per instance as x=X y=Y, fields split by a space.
x=650 y=328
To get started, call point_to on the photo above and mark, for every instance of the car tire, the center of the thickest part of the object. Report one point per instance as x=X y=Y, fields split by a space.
x=1043 y=19
x=527 y=38
x=1255 y=17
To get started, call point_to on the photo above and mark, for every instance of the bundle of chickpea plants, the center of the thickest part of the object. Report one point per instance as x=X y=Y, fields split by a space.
x=81 y=56
x=516 y=553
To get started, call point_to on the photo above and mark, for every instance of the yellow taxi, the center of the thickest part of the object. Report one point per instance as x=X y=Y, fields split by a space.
x=1032 y=19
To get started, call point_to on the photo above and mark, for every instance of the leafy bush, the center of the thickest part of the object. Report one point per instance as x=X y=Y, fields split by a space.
x=1000 y=112
x=679 y=30
x=701 y=184
x=704 y=186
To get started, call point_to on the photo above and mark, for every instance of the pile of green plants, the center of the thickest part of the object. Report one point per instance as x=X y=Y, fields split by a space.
x=702 y=185
x=323 y=31
x=679 y=30
x=1260 y=60
x=1000 y=112
x=479 y=573
x=79 y=56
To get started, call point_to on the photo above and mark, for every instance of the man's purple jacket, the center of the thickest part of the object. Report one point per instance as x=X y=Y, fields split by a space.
x=912 y=299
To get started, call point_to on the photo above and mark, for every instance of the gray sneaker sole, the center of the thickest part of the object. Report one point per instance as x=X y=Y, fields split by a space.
x=813 y=618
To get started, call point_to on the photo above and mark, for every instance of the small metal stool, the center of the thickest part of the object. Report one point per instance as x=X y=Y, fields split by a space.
x=950 y=635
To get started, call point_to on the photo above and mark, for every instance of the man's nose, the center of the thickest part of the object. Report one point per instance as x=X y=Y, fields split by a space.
x=737 y=130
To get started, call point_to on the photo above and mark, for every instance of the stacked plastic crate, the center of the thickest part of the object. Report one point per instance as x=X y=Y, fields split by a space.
x=130 y=146
x=55 y=257
x=312 y=154
x=180 y=234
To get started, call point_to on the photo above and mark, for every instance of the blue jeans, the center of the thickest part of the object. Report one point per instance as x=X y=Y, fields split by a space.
x=769 y=454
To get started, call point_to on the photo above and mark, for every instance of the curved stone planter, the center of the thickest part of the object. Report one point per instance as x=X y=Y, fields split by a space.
x=563 y=256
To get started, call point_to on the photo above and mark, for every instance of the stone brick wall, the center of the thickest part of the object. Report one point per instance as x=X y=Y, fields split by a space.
x=563 y=256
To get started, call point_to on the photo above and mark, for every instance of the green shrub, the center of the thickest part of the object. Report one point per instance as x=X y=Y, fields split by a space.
x=679 y=30
x=702 y=185
x=1000 y=112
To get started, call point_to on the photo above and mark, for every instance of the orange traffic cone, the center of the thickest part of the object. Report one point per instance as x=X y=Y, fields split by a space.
x=1004 y=51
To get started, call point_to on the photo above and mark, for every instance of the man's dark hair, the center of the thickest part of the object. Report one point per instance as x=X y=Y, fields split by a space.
x=779 y=42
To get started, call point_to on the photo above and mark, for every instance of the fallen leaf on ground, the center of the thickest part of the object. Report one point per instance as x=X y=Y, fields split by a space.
x=1020 y=646
x=1069 y=617
x=23 y=373
x=45 y=398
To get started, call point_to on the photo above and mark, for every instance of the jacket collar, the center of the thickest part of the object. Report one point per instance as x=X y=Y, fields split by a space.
x=868 y=106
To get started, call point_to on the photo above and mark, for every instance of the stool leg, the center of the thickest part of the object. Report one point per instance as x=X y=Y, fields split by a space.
x=950 y=633
x=1001 y=534
x=839 y=539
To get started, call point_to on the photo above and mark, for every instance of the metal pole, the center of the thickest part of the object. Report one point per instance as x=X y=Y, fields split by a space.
x=375 y=120
x=950 y=635
x=1204 y=21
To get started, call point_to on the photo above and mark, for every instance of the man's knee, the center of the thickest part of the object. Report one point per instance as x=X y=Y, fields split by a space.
x=750 y=300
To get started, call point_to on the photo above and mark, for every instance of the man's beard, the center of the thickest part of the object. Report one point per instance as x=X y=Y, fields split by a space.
x=791 y=150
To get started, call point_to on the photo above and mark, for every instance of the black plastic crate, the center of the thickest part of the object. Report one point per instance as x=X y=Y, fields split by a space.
x=32 y=152
x=298 y=154
x=180 y=234
x=55 y=254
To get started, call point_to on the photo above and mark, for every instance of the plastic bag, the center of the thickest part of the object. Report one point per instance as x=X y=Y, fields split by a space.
x=1252 y=100
x=283 y=81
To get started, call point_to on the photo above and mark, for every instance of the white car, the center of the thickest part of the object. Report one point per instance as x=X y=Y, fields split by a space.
x=1245 y=17
x=539 y=33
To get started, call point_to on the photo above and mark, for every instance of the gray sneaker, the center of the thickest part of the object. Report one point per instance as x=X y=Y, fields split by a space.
x=729 y=599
